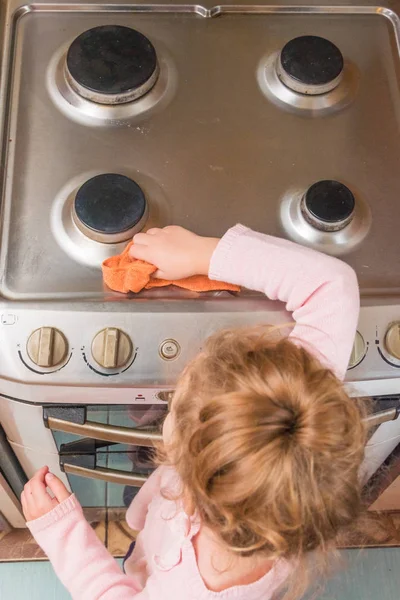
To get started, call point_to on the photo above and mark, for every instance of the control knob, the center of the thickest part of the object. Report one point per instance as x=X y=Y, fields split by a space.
x=358 y=352
x=392 y=340
x=111 y=348
x=47 y=347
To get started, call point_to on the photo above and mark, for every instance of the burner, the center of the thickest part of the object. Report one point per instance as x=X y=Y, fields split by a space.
x=110 y=208
x=111 y=65
x=328 y=205
x=310 y=65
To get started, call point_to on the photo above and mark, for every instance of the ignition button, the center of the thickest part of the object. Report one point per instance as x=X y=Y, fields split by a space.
x=169 y=349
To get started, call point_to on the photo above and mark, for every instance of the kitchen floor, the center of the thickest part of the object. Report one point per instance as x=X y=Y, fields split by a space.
x=110 y=526
x=383 y=530
x=366 y=575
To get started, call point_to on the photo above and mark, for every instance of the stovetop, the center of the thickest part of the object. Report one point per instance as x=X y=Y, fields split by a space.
x=118 y=117
x=213 y=138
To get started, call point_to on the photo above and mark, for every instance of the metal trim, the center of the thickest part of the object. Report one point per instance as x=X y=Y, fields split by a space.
x=108 y=475
x=107 y=433
x=390 y=414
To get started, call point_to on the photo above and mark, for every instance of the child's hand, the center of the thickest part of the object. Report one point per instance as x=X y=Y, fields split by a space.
x=176 y=252
x=35 y=499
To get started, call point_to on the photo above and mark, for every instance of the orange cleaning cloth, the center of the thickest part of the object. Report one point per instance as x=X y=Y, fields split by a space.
x=123 y=273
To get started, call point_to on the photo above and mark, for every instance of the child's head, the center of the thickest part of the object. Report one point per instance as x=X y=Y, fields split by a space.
x=267 y=444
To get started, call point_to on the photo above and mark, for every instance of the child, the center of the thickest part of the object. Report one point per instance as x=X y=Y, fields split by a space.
x=262 y=444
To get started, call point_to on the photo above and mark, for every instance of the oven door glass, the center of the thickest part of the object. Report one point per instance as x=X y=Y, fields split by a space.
x=109 y=456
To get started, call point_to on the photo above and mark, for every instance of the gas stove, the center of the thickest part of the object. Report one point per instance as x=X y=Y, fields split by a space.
x=119 y=117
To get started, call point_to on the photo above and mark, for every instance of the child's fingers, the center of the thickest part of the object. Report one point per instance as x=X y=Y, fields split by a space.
x=40 y=474
x=139 y=251
x=141 y=238
x=36 y=487
x=37 y=501
x=159 y=275
x=28 y=506
x=57 y=487
x=25 y=507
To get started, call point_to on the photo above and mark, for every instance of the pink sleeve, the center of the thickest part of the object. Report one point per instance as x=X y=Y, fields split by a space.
x=137 y=511
x=321 y=291
x=78 y=557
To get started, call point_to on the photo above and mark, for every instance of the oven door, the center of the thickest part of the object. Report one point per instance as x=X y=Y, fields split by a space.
x=102 y=452
x=384 y=433
x=105 y=451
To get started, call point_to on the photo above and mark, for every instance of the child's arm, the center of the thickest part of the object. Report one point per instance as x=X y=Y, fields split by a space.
x=137 y=511
x=320 y=291
x=78 y=557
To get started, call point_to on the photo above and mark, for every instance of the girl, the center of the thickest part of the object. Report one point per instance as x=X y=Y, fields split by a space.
x=262 y=446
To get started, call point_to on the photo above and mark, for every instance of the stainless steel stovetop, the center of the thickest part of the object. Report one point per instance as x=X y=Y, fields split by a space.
x=219 y=130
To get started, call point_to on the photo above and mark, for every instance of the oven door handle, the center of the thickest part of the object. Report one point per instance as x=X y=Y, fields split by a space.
x=108 y=475
x=383 y=416
x=107 y=433
x=136 y=438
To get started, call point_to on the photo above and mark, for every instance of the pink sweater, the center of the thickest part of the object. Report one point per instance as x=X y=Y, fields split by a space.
x=322 y=294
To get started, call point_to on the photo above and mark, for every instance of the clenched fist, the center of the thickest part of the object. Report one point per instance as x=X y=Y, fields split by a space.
x=36 y=500
x=176 y=252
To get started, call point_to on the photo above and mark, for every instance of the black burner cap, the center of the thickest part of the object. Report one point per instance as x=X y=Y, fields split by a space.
x=111 y=59
x=312 y=60
x=329 y=201
x=110 y=203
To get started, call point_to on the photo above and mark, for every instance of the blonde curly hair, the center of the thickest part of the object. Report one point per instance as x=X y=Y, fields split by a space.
x=267 y=444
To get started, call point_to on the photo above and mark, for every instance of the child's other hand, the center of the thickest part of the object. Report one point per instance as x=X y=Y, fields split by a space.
x=35 y=499
x=176 y=252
